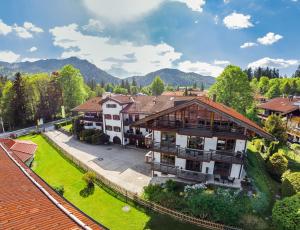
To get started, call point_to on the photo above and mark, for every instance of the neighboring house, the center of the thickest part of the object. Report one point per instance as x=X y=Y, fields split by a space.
x=288 y=109
x=27 y=202
x=24 y=150
x=191 y=92
x=198 y=138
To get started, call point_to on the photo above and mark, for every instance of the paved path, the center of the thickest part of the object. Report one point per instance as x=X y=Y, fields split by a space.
x=122 y=166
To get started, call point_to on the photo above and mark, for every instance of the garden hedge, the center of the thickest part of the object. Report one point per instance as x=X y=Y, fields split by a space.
x=290 y=183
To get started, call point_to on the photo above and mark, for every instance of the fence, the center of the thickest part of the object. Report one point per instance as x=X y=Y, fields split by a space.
x=137 y=199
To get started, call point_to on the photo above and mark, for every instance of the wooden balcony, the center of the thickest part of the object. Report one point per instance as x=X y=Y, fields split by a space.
x=180 y=173
x=199 y=155
x=91 y=118
x=139 y=136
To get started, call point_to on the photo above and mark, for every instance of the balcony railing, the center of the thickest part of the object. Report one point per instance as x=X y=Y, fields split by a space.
x=127 y=122
x=133 y=135
x=180 y=173
x=90 y=118
x=199 y=155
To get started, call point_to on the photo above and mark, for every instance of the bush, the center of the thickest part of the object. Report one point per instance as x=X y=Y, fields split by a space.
x=60 y=190
x=89 y=178
x=250 y=222
x=277 y=165
x=290 y=183
x=285 y=213
x=171 y=185
x=260 y=202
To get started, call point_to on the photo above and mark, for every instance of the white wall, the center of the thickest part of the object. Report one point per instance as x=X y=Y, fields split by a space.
x=210 y=143
x=180 y=162
x=157 y=136
x=94 y=126
x=240 y=145
x=181 y=140
x=156 y=157
x=235 y=170
x=210 y=165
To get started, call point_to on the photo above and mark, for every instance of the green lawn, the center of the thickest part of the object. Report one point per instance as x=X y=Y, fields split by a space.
x=102 y=206
x=67 y=127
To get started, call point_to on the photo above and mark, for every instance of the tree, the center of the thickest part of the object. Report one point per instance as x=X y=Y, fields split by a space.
x=263 y=85
x=133 y=82
x=285 y=213
x=277 y=165
x=202 y=86
x=276 y=127
x=6 y=102
x=157 y=86
x=297 y=72
x=119 y=90
x=290 y=183
x=18 y=102
x=54 y=96
x=134 y=90
x=73 y=87
x=232 y=88
x=99 y=90
x=274 y=91
x=195 y=85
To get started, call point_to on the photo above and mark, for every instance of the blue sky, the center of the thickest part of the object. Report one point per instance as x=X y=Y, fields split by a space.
x=130 y=37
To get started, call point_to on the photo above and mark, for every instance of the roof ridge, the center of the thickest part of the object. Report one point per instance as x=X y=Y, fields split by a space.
x=46 y=193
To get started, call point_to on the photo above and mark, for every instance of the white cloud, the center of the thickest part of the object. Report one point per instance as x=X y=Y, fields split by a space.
x=202 y=68
x=30 y=59
x=221 y=62
x=226 y=1
x=236 y=21
x=195 y=5
x=32 y=49
x=119 y=11
x=8 y=56
x=30 y=27
x=216 y=19
x=269 y=38
x=248 y=44
x=94 y=26
x=273 y=63
x=134 y=59
x=4 y=28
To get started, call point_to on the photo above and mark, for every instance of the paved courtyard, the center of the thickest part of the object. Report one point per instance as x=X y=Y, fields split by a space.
x=124 y=166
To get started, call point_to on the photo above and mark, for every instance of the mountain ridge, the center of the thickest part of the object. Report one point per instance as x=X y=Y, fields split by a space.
x=92 y=72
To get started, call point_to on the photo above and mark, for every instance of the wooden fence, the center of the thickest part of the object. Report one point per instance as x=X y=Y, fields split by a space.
x=137 y=199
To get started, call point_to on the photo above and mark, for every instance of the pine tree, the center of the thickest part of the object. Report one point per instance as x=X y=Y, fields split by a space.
x=133 y=82
x=202 y=86
x=297 y=72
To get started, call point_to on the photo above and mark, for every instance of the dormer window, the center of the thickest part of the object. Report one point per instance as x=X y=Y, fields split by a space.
x=111 y=106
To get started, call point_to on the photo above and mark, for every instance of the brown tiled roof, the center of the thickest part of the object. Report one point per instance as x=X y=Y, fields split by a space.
x=218 y=107
x=151 y=104
x=24 y=205
x=23 y=149
x=91 y=105
x=121 y=99
x=280 y=104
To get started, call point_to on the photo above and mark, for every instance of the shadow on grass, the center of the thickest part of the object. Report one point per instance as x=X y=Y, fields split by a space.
x=87 y=191
x=293 y=164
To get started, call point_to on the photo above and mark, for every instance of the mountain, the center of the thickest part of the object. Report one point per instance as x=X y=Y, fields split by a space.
x=90 y=71
x=87 y=69
x=175 y=77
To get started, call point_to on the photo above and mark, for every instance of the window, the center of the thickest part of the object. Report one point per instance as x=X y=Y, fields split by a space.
x=111 y=106
x=107 y=116
x=108 y=128
x=168 y=139
x=117 y=129
x=196 y=142
x=136 y=117
x=116 y=117
x=98 y=124
x=193 y=165
x=167 y=159
x=88 y=124
x=226 y=144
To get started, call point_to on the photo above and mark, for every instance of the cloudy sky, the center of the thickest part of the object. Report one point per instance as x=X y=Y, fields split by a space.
x=134 y=37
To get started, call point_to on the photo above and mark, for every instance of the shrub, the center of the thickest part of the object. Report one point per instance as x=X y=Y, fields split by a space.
x=170 y=185
x=260 y=202
x=290 y=183
x=89 y=178
x=277 y=165
x=250 y=222
x=276 y=126
x=60 y=190
x=285 y=213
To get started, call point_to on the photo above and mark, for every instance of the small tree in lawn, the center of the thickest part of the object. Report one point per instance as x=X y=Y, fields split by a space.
x=157 y=86
x=89 y=178
x=277 y=165
x=276 y=127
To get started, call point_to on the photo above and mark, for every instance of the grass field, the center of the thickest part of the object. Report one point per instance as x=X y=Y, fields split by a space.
x=100 y=205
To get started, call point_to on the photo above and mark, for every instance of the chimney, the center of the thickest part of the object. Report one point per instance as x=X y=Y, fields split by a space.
x=214 y=97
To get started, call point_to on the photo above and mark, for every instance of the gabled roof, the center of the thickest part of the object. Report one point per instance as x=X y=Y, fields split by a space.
x=281 y=104
x=215 y=107
x=27 y=202
x=22 y=149
x=91 y=105
x=120 y=99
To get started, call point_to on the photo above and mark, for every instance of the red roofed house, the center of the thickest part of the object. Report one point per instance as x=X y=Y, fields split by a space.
x=27 y=202
x=288 y=108
x=189 y=137
x=24 y=150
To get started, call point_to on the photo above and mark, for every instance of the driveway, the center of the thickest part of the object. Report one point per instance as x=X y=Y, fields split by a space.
x=123 y=166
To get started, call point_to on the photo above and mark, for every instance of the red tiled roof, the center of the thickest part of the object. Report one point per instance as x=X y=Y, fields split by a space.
x=280 y=104
x=22 y=149
x=24 y=205
x=121 y=99
x=91 y=105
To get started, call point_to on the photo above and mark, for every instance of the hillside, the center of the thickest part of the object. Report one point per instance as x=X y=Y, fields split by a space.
x=87 y=69
x=175 y=77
